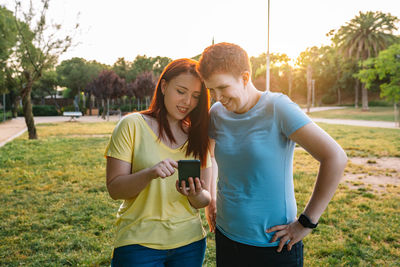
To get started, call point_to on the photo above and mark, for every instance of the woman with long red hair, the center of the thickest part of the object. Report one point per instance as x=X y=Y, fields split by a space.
x=158 y=223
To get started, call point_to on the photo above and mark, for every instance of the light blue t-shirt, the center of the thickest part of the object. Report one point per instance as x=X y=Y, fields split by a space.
x=255 y=167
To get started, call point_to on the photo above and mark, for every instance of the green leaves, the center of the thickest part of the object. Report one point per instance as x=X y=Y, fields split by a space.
x=386 y=67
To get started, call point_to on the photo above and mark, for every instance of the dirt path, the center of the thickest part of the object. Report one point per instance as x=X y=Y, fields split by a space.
x=13 y=128
x=374 y=173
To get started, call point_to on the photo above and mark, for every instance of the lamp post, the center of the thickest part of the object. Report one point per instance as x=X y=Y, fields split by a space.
x=268 y=77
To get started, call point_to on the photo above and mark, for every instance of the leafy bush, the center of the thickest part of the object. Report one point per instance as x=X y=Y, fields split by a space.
x=379 y=103
x=8 y=115
x=72 y=108
x=125 y=108
x=328 y=99
x=44 y=110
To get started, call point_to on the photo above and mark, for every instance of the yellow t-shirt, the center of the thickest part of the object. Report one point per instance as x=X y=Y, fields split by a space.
x=159 y=217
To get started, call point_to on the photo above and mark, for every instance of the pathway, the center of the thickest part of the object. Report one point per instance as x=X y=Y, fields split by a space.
x=13 y=128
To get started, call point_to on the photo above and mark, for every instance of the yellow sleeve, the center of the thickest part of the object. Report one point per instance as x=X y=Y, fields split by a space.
x=208 y=163
x=122 y=141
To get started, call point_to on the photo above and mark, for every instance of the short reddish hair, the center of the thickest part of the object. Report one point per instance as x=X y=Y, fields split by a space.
x=197 y=120
x=223 y=58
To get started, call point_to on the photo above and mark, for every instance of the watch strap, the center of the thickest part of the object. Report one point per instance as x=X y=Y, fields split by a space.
x=306 y=222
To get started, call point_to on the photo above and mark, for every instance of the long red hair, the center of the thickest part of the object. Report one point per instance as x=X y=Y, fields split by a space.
x=197 y=120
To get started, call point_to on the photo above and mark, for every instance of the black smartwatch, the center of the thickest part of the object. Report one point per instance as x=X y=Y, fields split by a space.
x=306 y=222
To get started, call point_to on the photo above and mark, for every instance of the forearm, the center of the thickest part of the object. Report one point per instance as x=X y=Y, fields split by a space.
x=213 y=182
x=130 y=185
x=201 y=200
x=329 y=176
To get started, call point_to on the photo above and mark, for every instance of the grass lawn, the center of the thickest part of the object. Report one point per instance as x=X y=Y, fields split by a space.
x=56 y=211
x=375 y=114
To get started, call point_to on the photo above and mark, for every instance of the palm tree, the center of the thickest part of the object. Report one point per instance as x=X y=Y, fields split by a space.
x=363 y=37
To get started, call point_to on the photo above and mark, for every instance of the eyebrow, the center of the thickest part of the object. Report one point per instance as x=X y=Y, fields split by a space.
x=219 y=87
x=183 y=87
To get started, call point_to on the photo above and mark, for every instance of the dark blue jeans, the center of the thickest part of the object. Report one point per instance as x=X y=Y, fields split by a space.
x=235 y=254
x=191 y=255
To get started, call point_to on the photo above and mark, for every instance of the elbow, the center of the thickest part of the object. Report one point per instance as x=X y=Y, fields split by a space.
x=342 y=159
x=113 y=194
x=336 y=159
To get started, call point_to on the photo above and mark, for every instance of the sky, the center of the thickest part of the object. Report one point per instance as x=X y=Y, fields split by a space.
x=110 y=29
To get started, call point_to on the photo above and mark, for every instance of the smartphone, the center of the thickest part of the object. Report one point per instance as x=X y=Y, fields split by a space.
x=188 y=168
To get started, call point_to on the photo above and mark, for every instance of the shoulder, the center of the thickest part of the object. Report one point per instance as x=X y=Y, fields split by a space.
x=278 y=98
x=131 y=118
x=129 y=122
x=281 y=103
x=216 y=107
x=217 y=110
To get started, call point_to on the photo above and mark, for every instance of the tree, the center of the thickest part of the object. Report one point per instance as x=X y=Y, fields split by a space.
x=363 y=37
x=38 y=48
x=73 y=73
x=46 y=86
x=76 y=74
x=121 y=67
x=139 y=65
x=145 y=64
x=385 y=67
x=159 y=64
x=8 y=33
x=280 y=71
x=108 y=85
x=93 y=70
x=144 y=86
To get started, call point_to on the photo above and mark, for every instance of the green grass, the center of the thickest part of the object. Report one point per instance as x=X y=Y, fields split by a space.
x=375 y=114
x=365 y=141
x=56 y=211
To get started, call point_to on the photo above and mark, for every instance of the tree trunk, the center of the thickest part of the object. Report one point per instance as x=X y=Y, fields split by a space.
x=103 y=114
x=290 y=83
x=339 y=93
x=364 y=92
x=28 y=114
x=55 y=102
x=356 y=93
x=14 y=105
x=309 y=85
x=90 y=103
x=130 y=103
x=108 y=109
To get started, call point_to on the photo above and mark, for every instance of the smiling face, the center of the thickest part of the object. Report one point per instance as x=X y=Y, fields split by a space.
x=229 y=90
x=181 y=95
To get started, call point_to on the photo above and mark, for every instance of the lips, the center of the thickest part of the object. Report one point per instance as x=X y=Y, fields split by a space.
x=182 y=110
x=226 y=102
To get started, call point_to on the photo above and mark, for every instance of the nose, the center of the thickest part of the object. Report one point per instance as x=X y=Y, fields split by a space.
x=187 y=99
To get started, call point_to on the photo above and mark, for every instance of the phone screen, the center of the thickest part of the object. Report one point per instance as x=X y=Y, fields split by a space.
x=188 y=168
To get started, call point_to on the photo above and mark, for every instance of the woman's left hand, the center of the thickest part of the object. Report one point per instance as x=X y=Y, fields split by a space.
x=195 y=187
x=293 y=232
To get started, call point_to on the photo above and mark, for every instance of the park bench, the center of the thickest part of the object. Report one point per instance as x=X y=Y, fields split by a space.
x=72 y=114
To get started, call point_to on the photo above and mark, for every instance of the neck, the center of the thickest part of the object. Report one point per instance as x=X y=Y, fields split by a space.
x=253 y=97
x=173 y=124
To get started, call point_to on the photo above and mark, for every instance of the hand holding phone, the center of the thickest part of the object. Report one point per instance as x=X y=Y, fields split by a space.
x=186 y=169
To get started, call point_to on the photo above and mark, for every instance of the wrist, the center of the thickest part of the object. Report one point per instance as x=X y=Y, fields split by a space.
x=306 y=222
x=152 y=174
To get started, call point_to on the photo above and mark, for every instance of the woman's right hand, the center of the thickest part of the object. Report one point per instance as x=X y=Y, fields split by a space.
x=211 y=215
x=164 y=168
